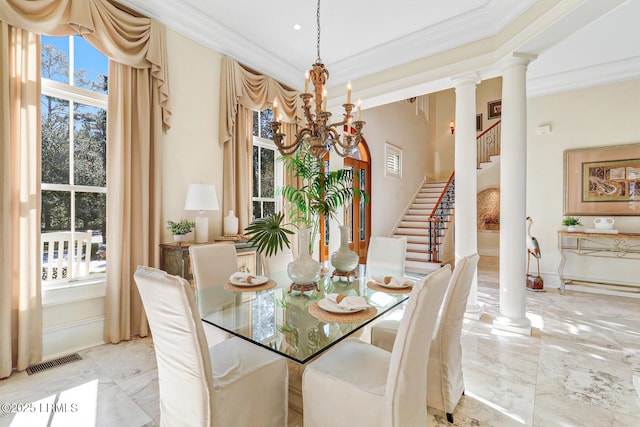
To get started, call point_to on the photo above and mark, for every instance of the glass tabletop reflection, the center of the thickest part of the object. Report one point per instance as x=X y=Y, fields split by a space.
x=280 y=320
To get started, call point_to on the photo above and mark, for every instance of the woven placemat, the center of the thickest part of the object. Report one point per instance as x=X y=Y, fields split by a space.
x=233 y=288
x=376 y=287
x=358 y=316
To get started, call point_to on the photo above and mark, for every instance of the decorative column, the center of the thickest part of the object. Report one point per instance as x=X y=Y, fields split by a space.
x=466 y=179
x=513 y=173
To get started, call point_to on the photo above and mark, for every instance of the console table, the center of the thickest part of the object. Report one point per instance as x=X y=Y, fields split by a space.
x=599 y=245
x=174 y=258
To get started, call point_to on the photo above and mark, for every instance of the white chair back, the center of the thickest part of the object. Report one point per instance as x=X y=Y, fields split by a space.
x=386 y=256
x=446 y=383
x=184 y=367
x=407 y=370
x=65 y=254
x=212 y=265
x=277 y=263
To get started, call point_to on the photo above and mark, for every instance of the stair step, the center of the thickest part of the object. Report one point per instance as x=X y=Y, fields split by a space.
x=426 y=212
x=418 y=256
x=417 y=247
x=414 y=224
x=423 y=206
x=422 y=267
x=434 y=184
x=419 y=218
x=414 y=238
x=412 y=231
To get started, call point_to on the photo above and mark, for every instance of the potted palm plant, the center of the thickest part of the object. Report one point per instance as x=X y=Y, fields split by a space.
x=320 y=193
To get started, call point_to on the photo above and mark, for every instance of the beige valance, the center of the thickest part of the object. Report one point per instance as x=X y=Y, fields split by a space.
x=242 y=86
x=127 y=39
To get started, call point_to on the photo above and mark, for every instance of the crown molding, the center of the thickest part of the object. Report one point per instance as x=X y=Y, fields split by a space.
x=581 y=78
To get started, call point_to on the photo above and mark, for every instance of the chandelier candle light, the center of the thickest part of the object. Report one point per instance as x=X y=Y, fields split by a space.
x=319 y=133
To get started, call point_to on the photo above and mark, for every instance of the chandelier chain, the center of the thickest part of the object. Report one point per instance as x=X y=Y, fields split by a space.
x=319 y=135
x=318 y=43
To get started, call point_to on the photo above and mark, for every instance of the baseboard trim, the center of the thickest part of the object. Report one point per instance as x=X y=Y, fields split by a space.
x=70 y=337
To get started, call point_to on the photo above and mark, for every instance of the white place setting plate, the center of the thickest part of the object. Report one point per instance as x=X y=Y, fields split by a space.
x=256 y=281
x=332 y=307
x=395 y=283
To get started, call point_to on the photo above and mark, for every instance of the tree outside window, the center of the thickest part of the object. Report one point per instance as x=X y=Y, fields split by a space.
x=267 y=171
x=73 y=157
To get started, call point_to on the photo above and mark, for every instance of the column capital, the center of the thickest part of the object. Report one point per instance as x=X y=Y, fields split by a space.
x=515 y=59
x=466 y=79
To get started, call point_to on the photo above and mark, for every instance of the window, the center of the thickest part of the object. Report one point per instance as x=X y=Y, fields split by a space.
x=74 y=115
x=393 y=164
x=267 y=171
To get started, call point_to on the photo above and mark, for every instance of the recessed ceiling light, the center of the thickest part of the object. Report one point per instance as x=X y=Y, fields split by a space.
x=297 y=27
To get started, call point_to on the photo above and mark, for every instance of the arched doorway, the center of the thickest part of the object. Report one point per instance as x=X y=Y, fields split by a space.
x=357 y=215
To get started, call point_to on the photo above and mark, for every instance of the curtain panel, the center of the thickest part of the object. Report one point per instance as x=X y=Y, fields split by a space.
x=20 y=264
x=139 y=111
x=241 y=91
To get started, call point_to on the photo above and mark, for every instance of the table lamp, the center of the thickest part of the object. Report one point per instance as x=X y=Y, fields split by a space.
x=201 y=197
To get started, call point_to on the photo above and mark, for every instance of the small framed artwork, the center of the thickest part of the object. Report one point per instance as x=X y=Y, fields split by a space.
x=479 y=122
x=602 y=180
x=494 y=109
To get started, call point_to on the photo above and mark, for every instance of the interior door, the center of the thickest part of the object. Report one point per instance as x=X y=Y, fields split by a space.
x=357 y=215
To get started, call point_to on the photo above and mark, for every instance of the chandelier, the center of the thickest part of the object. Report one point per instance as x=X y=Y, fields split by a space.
x=319 y=134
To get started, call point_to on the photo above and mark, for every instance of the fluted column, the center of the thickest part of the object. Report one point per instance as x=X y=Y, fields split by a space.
x=466 y=179
x=513 y=171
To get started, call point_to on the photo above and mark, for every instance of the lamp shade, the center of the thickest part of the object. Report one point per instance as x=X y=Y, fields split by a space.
x=201 y=197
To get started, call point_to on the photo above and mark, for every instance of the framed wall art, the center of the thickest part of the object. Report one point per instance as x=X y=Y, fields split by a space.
x=494 y=109
x=478 y=122
x=602 y=180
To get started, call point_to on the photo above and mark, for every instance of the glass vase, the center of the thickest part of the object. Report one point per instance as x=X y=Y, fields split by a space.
x=344 y=259
x=304 y=269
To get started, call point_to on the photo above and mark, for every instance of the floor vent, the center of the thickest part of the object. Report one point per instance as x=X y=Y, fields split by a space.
x=53 y=363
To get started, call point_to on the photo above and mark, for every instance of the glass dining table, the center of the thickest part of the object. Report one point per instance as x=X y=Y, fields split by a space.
x=289 y=323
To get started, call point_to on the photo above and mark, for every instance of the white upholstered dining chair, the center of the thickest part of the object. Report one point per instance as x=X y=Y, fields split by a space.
x=358 y=384
x=234 y=383
x=278 y=262
x=212 y=265
x=445 y=384
x=386 y=256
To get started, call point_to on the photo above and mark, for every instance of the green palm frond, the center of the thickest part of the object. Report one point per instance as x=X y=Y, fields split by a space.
x=319 y=193
x=268 y=235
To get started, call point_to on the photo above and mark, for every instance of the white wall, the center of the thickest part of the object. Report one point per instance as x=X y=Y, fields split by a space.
x=599 y=116
x=191 y=150
x=398 y=124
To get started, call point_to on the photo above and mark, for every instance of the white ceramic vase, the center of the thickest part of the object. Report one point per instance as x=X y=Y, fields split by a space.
x=179 y=237
x=344 y=259
x=571 y=228
x=304 y=269
x=230 y=224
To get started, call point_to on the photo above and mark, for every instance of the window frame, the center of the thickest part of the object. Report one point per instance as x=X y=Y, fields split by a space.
x=73 y=95
x=391 y=150
x=278 y=170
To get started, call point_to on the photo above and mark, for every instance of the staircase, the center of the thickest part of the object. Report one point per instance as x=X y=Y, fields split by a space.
x=425 y=224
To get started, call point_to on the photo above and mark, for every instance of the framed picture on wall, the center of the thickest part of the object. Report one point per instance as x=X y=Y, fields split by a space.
x=602 y=180
x=494 y=109
x=478 y=122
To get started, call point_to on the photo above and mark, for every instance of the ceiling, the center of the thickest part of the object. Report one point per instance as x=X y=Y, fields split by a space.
x=393 y=50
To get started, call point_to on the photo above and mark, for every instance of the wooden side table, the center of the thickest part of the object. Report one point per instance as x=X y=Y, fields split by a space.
x=174 y=258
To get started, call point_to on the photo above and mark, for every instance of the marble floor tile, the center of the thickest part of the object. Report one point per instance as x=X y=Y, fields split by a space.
x=575 y=369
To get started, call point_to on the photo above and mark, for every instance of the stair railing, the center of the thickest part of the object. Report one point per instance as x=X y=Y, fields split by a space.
x=488 y=143
x=442 y=209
